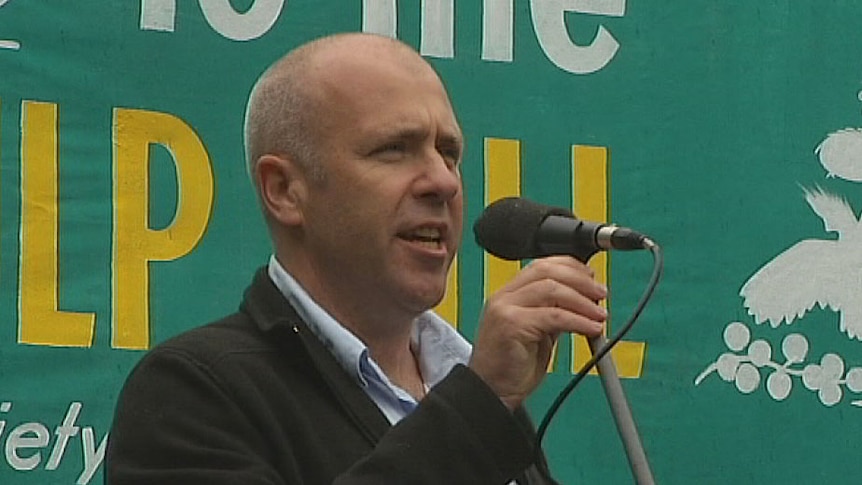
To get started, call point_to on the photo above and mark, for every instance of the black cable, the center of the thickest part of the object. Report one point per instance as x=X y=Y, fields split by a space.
x=658 y=266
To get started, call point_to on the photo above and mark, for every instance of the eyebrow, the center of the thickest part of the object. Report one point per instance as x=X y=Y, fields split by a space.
x=452 y=140
x=413 y=133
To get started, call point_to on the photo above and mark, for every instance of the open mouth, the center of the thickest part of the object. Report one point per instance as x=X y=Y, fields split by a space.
x=428 y=237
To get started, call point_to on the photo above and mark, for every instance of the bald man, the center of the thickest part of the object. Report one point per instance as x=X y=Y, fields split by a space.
x=334 y=369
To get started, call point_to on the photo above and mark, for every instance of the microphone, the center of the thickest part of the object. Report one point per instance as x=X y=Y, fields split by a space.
x=515 y=228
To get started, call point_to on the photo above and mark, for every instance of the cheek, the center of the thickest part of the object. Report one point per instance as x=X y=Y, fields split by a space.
x=359 y=221
x=457 y=211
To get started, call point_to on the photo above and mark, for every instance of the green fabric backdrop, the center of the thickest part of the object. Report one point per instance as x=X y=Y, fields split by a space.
x=711 y=112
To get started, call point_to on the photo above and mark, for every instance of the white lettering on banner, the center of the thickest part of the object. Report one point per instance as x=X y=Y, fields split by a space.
x=438 y=28
x=256 y=21
x=380 y=17
x=24 y=443
x=548 y=16
x=437 y=37
x=8 y=44
x=252 y=24
x=158 y=15
x=497 y=31
x=550 y=23
x=26 y=436
x=93 y=456
x=64 y=432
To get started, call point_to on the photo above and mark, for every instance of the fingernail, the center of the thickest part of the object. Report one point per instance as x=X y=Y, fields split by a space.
x=603 y=312
x=602 y=289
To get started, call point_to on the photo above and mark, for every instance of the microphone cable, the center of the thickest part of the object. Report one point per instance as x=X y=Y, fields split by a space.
x=658 y=267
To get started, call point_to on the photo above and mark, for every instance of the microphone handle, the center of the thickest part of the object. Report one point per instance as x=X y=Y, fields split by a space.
x=622 y=414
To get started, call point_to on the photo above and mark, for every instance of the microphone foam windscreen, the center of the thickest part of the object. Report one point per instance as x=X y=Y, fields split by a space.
x=507 y=228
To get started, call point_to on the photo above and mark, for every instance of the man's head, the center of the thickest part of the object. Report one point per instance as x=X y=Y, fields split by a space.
x=354 y=149
x=280 y=113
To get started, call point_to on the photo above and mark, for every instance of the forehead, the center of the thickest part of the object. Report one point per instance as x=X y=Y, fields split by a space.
x=381 y=89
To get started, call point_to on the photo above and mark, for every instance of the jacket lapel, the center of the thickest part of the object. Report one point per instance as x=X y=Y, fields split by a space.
x=274 y=315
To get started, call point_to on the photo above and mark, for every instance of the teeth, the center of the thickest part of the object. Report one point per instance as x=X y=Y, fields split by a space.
x=427 y=233
x=429 y=237
x=428 y=244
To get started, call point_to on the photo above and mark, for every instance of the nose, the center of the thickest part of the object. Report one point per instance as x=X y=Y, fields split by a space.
x=440 y=179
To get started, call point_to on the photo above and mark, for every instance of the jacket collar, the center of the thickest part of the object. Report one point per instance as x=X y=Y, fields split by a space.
x=277 y=319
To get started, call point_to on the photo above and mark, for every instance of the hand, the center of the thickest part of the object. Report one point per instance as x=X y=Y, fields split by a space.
x=521 y=322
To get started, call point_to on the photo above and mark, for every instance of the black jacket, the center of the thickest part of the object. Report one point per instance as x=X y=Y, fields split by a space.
x=255 y=398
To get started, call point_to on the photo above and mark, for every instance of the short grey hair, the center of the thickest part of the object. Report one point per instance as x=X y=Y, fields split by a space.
x=279 y=116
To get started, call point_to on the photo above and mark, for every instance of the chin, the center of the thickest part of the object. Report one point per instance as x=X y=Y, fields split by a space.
x=419 y=290
x=427 y=298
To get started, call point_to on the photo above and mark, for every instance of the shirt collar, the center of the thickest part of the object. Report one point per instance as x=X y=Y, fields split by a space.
x=440 y=347
x=348 y=350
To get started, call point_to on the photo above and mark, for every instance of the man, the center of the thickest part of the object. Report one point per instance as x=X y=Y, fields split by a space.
x=334 y=370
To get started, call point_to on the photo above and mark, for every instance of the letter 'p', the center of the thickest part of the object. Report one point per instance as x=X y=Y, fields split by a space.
x=135 y=243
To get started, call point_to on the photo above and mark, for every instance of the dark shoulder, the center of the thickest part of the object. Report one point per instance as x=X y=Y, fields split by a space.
x=259 y=338
x=233 y=335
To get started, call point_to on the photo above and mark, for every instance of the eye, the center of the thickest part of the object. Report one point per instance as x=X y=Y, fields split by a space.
x=452 y=155
x=393 y=147
x=390 y=150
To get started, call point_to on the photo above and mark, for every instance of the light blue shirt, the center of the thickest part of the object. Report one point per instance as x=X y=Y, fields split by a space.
x=437 y=345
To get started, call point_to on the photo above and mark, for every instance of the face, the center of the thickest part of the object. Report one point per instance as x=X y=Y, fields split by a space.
x=383 y=225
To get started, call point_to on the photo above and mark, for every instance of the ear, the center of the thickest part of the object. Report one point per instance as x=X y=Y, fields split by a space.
x=282 y=187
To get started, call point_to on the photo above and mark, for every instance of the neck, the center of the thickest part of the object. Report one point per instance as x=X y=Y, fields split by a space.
x=371 y=316
x=387 y=334
x=396 y=359
x=401 y=366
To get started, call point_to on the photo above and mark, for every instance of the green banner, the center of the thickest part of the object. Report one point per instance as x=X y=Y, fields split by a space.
x=729 y=131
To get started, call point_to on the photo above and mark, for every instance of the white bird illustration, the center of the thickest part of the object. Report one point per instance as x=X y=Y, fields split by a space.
x=841 y=154
x=814 y=271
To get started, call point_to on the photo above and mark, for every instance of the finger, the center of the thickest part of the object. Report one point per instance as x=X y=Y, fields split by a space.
x=565 y=270
x=541 y=323
x=554 y=294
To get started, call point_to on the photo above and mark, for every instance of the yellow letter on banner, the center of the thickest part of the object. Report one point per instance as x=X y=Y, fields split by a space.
x=135 y=244
x=502 y=179
x=41 y=322
x=590 y=188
